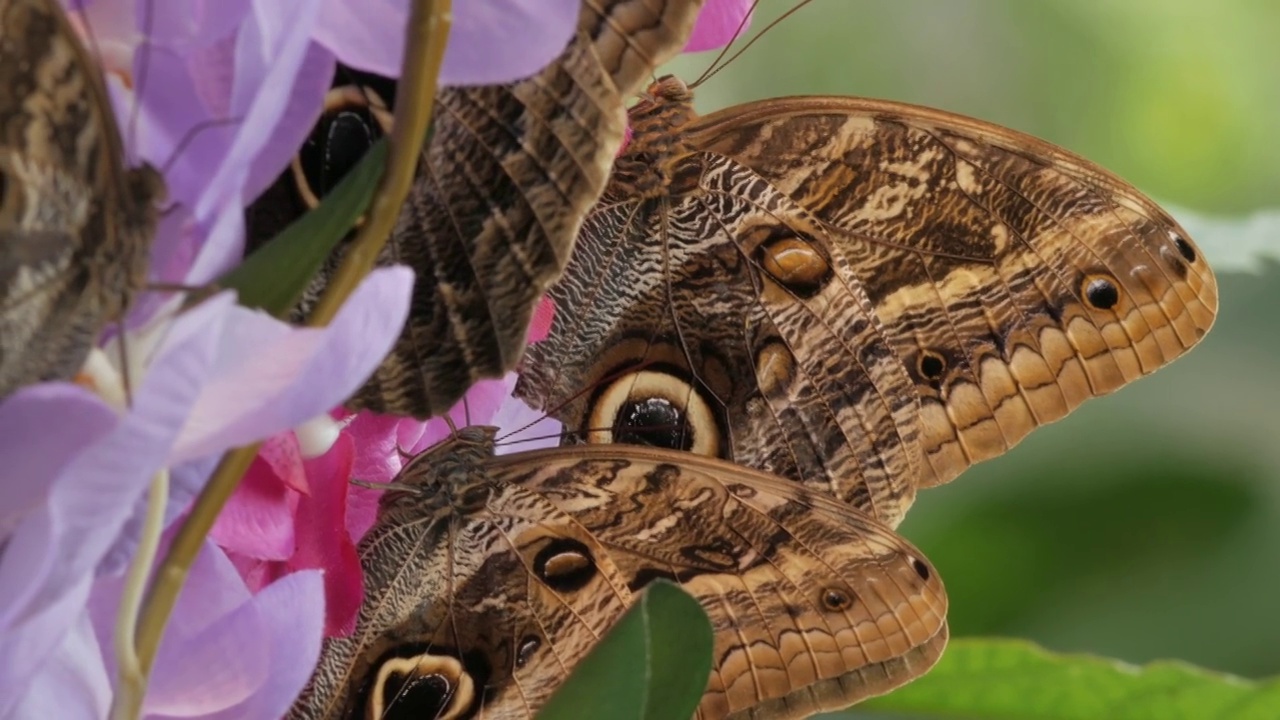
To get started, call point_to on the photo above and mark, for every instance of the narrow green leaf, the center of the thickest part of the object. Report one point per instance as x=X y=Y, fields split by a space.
x=274 y=277
x=653 y=665
x=1017 y=680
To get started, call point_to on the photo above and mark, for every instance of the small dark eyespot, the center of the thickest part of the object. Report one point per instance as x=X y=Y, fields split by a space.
x=1185 y=248
x=529 y=644
x=836 y=600
x=564 y=565
x=921 y=569
x=653 y=421
x=932 y=365
x=1101 y=292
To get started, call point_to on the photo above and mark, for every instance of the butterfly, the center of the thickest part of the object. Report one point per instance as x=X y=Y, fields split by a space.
x=509 y=173
x=864 y=296
x=75 y=223
x=489 y=577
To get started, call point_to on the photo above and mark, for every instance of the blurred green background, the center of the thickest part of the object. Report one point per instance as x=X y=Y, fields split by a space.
x=1147 y=524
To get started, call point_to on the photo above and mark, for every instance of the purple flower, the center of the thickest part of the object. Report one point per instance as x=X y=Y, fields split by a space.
x=203 y=381
x=491 y=41
x=219 y=96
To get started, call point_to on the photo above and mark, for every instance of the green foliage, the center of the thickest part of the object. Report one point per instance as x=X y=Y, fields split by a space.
x=652 y=665
x=1016 y=680
x=274 y=277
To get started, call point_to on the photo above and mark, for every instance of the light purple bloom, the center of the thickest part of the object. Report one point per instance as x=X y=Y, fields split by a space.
x=491 y=41
x=219 y=96
x=203 y=381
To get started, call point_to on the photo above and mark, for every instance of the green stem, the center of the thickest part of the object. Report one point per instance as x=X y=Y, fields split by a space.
x=133 y=681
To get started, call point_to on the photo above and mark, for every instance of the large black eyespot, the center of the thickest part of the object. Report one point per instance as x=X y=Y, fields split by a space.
x=417 y=695
x=1101 y=292
x=565 y=565
x=653 y=421
x=335 y=146
x=353 y=120
x=416 y=686
x=655 y=407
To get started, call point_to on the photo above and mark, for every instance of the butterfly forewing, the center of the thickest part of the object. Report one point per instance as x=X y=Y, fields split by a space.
x=867 y=296
x=509 y=173
x=1015 y=280
x=75 y=225
x=488 y=579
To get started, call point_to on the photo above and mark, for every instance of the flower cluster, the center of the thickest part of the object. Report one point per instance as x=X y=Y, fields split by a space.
x=220 y=95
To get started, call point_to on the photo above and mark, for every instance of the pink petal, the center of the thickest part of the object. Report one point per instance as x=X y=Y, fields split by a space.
x=719 y=23
x=282 y=454
x=543 y=315
x=257 y=521
x=323 y=541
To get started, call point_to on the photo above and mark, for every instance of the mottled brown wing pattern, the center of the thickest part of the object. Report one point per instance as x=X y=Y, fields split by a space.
x=790 y=268
x=75 y=224
x=508 y=176
x=489 y=578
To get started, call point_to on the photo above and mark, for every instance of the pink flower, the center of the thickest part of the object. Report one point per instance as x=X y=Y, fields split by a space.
x=719 y=23
x=292 y=513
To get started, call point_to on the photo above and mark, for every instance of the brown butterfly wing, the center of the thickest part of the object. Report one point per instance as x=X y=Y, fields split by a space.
x=508 y=176
x=75 y=225
x=814 y=606
x=1015 y=279
x=482 y=603
x=806 y=269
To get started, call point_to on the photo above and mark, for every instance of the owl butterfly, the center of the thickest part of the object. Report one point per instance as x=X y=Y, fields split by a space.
x=75 y=223
x=864 y=296
x=488 y=578
x=501 y=190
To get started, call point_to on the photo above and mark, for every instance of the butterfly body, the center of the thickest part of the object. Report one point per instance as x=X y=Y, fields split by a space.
x=866 y=296
x=488 y=578
x=75 y=223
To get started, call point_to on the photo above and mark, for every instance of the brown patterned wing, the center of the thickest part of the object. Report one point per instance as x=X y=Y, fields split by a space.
x=75 y=225
x=809 y=269
x=480 y=605
x=508 y=176
x=814 y=606
x=1015 y=279
x=701 y=312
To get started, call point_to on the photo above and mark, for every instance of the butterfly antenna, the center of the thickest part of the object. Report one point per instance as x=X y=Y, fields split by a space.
x=716 y=68
x=144 y=54
x=737 y=33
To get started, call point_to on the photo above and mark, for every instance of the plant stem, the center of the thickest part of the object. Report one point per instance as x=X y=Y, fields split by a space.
x=127 y=702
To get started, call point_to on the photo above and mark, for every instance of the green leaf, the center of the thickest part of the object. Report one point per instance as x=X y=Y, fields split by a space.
x=274 y=277
x=653 y=665
x=1017 y=680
